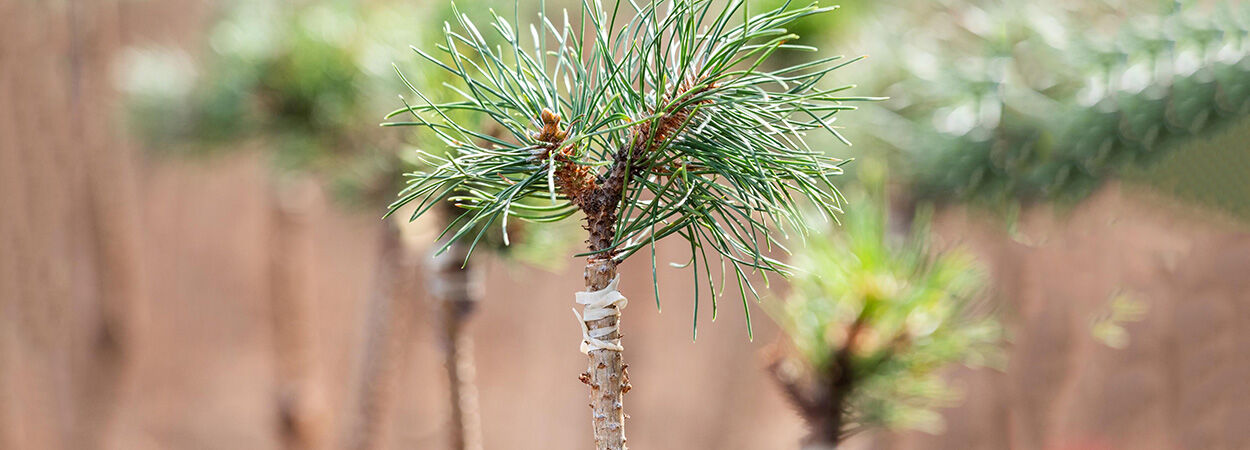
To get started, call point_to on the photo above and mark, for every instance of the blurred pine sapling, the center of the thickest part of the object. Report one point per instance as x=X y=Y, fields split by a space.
x=650 y=120
x=997 y=103
x=871 y=321
x=303 y=84
x=296 y=81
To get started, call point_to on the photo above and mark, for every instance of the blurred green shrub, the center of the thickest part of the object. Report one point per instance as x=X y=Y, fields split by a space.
x=872 y=320
x=308 y=81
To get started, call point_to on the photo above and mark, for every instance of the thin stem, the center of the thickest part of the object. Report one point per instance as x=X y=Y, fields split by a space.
x=606 y=374
x=457 y=288
x=458 y=360
x=389 y=326
x=822 y=401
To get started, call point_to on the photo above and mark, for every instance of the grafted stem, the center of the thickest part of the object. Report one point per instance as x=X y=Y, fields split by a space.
x=606 y=373
x=599 y=198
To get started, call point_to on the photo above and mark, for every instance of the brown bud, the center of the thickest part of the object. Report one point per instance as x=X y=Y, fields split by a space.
x=550 y=117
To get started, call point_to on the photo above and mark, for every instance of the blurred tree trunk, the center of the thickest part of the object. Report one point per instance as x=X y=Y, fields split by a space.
x=300 y=403
x=106 y=351
x=71 y=278
x=391 y=308
x=457 y=289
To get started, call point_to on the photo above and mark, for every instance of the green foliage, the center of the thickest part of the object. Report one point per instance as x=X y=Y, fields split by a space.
x=670 y=95
x=1210 y=172
x=307 y=83
x=894 y=312
x=823 y=29
x=302 y=80
x=1002 y=101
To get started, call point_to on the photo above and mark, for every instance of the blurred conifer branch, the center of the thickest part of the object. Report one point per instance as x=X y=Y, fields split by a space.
x=1007 y=102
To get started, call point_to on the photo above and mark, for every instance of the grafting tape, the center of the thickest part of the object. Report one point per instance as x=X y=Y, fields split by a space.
x=599 y=304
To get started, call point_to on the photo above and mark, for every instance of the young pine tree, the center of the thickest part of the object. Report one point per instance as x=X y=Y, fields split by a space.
x=871 y=322
x=651 y=120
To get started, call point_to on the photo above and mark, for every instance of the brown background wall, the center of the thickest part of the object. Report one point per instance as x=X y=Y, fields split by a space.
x=134 y=307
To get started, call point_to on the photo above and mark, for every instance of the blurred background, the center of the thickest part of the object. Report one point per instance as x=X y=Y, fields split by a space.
x=192 y=254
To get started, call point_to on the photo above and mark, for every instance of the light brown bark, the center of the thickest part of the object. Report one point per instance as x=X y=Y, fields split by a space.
x=606 y=374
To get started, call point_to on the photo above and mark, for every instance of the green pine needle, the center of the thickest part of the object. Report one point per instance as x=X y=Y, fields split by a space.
x=713 y=139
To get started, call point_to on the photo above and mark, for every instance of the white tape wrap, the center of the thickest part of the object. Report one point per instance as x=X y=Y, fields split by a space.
x=597 y=307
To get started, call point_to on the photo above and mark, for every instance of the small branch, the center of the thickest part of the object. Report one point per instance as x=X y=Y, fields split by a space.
x=793 y=387
x=389 y=321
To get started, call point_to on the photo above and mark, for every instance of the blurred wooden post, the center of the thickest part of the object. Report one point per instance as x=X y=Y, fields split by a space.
x=300 y=403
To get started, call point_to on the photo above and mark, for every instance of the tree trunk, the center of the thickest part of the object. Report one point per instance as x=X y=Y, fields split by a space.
x=456 y=288
x=300 y=405
x=606 y=373
x=819 y=446
x=824 y=431
x=113 y=212
x=389 y=325
x=821 y=398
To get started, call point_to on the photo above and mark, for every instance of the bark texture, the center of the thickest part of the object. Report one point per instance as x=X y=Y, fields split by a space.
x=606 y=374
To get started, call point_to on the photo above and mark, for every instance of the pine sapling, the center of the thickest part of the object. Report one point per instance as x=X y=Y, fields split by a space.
x=871 y=322
x=651 y=120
